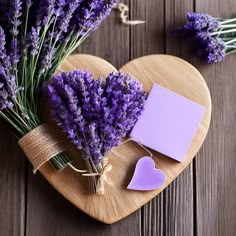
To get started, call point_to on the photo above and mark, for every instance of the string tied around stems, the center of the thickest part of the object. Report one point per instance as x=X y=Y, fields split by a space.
x=102 y=175
x=105 y=169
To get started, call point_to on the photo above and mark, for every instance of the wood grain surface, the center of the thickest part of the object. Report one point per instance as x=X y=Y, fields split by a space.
x=201 y=201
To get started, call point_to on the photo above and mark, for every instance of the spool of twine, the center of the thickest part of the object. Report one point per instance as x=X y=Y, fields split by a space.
x=40 y=145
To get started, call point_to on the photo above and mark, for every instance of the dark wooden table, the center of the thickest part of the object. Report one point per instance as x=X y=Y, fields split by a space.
x=201 y=201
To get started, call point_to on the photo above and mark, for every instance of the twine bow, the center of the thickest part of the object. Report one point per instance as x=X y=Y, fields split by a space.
x=100 y=189
x=102 y=176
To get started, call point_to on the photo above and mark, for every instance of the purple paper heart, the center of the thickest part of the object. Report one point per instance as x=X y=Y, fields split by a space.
x=146 y=176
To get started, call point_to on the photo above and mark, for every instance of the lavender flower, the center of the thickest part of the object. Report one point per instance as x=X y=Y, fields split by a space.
x=215 y=50
x=41 y=34
x=33 y=41
x=95 y=114
x=15 y=14
x=213 y=38
x=2 y=43
x=7 y=81
x=44 y=13
x=46 y=59
x=201 y=22
x=7 y=88
x=91 y=13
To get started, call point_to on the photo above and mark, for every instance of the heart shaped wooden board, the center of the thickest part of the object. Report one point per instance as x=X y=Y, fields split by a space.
x=118 y=202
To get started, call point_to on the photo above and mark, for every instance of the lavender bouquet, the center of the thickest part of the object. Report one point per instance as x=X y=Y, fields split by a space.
x=35 y=39
x=95 y=114
x=213 y=37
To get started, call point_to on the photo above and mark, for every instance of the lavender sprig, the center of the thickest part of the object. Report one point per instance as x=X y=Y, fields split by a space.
x=214 y=38
x=15 y=22
x=95 y=114
x=40 y=35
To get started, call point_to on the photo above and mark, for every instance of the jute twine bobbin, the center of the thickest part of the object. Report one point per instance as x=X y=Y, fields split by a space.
x=40 y=145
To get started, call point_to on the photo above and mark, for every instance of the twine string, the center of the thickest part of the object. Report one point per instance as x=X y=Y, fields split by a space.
x=76 y=169
x=102 y=176
x=124 y=14
x=106 y=168
x=139 y=142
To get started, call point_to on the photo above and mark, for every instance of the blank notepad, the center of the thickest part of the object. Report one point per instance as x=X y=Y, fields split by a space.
x=168 y=123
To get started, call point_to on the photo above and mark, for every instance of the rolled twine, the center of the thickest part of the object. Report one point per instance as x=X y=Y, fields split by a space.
x=40 y=145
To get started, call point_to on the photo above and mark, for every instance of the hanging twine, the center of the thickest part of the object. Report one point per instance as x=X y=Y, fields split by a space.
x=139 y=142
x=124 y=15
x=40 y=145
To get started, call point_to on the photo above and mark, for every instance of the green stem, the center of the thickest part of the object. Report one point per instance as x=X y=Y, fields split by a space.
x=223 y=32
x=231 y=52
x=228 y=26
x=12 y=123
x=228 y=21
x=230 y=41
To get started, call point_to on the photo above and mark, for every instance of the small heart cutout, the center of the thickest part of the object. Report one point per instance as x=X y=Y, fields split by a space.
x=146 y=176
x=118 y=202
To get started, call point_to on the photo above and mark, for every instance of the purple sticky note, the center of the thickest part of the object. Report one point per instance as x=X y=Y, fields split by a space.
x=146 y=176
x=168 y=123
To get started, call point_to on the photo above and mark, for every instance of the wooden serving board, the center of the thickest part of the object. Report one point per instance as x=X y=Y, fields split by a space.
x=118 y=202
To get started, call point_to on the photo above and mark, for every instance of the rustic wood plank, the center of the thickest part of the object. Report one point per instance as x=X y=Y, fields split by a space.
x=149 y=38
x=12 y=185
x=12 y=179
x=48 y=213
x=160 y=215
x=179 y=197
x=215 y=169
x=110 y=41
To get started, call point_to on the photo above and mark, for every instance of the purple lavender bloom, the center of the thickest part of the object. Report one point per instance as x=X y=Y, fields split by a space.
x=15 y=14
x=15 y=22
x=33 y=41
x=121 y=108
x=67 y=9
x=208 y=36
x=215 y=50
x=95 y=114
x=7 y=81
x=64 y=21
x=7 y=88
x=201 y=21
x=2 y=43
x=91 y=13
x=45 y=11
x=46 y=59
